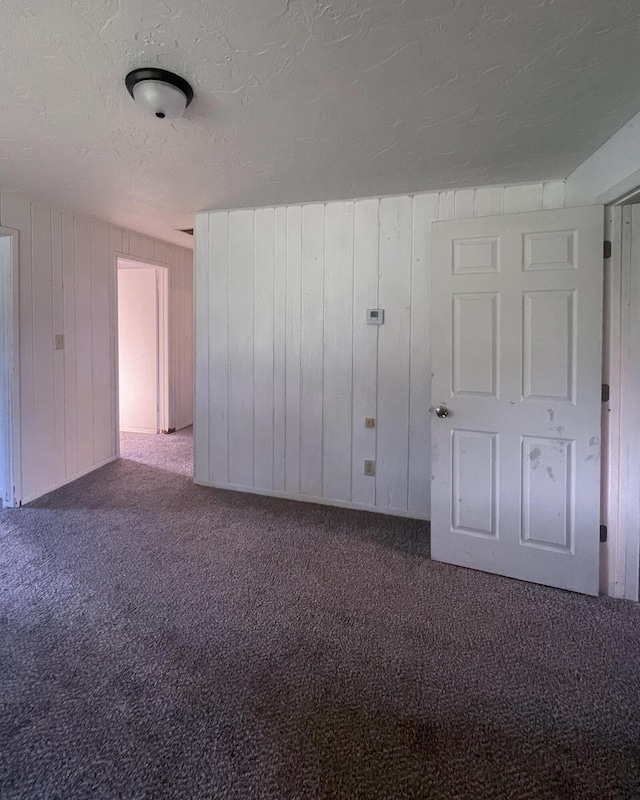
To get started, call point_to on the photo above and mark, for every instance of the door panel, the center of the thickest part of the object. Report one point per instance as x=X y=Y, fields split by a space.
x=516 y=342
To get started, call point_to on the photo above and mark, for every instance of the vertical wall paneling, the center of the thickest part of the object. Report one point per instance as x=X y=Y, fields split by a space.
x=279 y=348
x=241 y=338
x=424 y=210
x=115 y=246
x=101 y=344
x=70 y=350
x=176 y=280
x=523 y=198
x=173 y=276
x=161 y=251
x=43 y=373
x=174 y=311
x=337 y=409
x=553 y=195
x=464 y=203
x=67 y=286
x=204 y=398
x=365 y=348
x=446 y=205
x=292 y=349
x=135 y=245
x=311 y=350
x=84 y=339
x=146 y=247
x=57 y=298
x=186 y=352
x=394 y=353
x=488 y=201
x=263 y=362
x=218 y=338
x=316 y=370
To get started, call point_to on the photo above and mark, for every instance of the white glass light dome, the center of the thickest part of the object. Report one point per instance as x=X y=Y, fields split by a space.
x=159 y=92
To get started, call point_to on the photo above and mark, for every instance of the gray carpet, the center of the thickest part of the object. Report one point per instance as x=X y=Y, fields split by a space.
x=162 y=640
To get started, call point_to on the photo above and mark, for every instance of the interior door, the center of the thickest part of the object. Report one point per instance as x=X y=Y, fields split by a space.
x=138 y=349
x=516 y=342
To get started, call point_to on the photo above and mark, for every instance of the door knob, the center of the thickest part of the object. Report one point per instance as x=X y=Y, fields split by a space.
x=442 y=412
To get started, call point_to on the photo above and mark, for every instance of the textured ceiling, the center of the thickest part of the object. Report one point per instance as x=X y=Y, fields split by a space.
x=301 y=100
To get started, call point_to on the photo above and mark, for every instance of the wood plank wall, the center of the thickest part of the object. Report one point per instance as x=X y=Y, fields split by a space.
x=67 y=285
x=286 y=368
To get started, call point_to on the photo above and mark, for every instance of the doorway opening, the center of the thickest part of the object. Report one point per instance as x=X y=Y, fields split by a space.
x=10 y=491
x=143 y=348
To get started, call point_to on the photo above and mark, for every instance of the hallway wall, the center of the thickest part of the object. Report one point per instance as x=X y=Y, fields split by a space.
x=67 y=285
x=287 y=368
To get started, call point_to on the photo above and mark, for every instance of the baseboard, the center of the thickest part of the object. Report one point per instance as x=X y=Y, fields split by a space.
x=30 y=498
x=305 y=498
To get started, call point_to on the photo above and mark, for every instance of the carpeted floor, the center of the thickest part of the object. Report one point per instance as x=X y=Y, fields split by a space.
x=163 y=640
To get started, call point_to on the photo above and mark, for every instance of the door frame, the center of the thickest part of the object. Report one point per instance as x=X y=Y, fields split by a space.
x=10 y=373
x=621 y=421
x=162 y=288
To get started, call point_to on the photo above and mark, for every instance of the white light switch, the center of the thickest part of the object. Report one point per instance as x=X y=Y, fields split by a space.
x=58 y=341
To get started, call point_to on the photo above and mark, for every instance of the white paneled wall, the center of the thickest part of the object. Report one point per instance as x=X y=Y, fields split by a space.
x=67 y=285
x=286 y=367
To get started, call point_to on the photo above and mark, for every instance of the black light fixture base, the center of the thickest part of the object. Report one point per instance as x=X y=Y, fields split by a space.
x=157 y=74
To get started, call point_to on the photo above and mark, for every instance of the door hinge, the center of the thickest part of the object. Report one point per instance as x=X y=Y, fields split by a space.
x=607 y=249
x=603 y=534
x=605 y=393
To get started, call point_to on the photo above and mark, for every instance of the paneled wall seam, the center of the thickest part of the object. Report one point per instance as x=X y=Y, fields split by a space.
x=228 y=359
x=52 y=328
x=411 y=332
x=389 y=363
x=93 y=388
x=322 y=300
x=67 y=396
x=273 y=357
x=33 y=335
x=253 y=350
x=300 y=356
x=353 y=323
x=286 y=349
x=75 y=330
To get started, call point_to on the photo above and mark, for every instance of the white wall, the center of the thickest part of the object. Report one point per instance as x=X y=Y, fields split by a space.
x=286 y=368
x=6 y=303
x=67 y=279
x=612 y=171
x=138 y=349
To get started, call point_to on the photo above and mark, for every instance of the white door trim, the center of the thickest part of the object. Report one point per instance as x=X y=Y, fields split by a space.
x=10 y=374
x=162 y=289
x=621 y=429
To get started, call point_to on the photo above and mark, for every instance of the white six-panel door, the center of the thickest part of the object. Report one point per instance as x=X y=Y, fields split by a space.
x=516 y=343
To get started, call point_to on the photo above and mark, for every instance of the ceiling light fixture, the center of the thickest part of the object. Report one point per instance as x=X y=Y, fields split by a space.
x=159 y=92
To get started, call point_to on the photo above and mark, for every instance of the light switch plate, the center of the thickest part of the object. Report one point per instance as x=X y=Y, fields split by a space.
x=58 y=341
